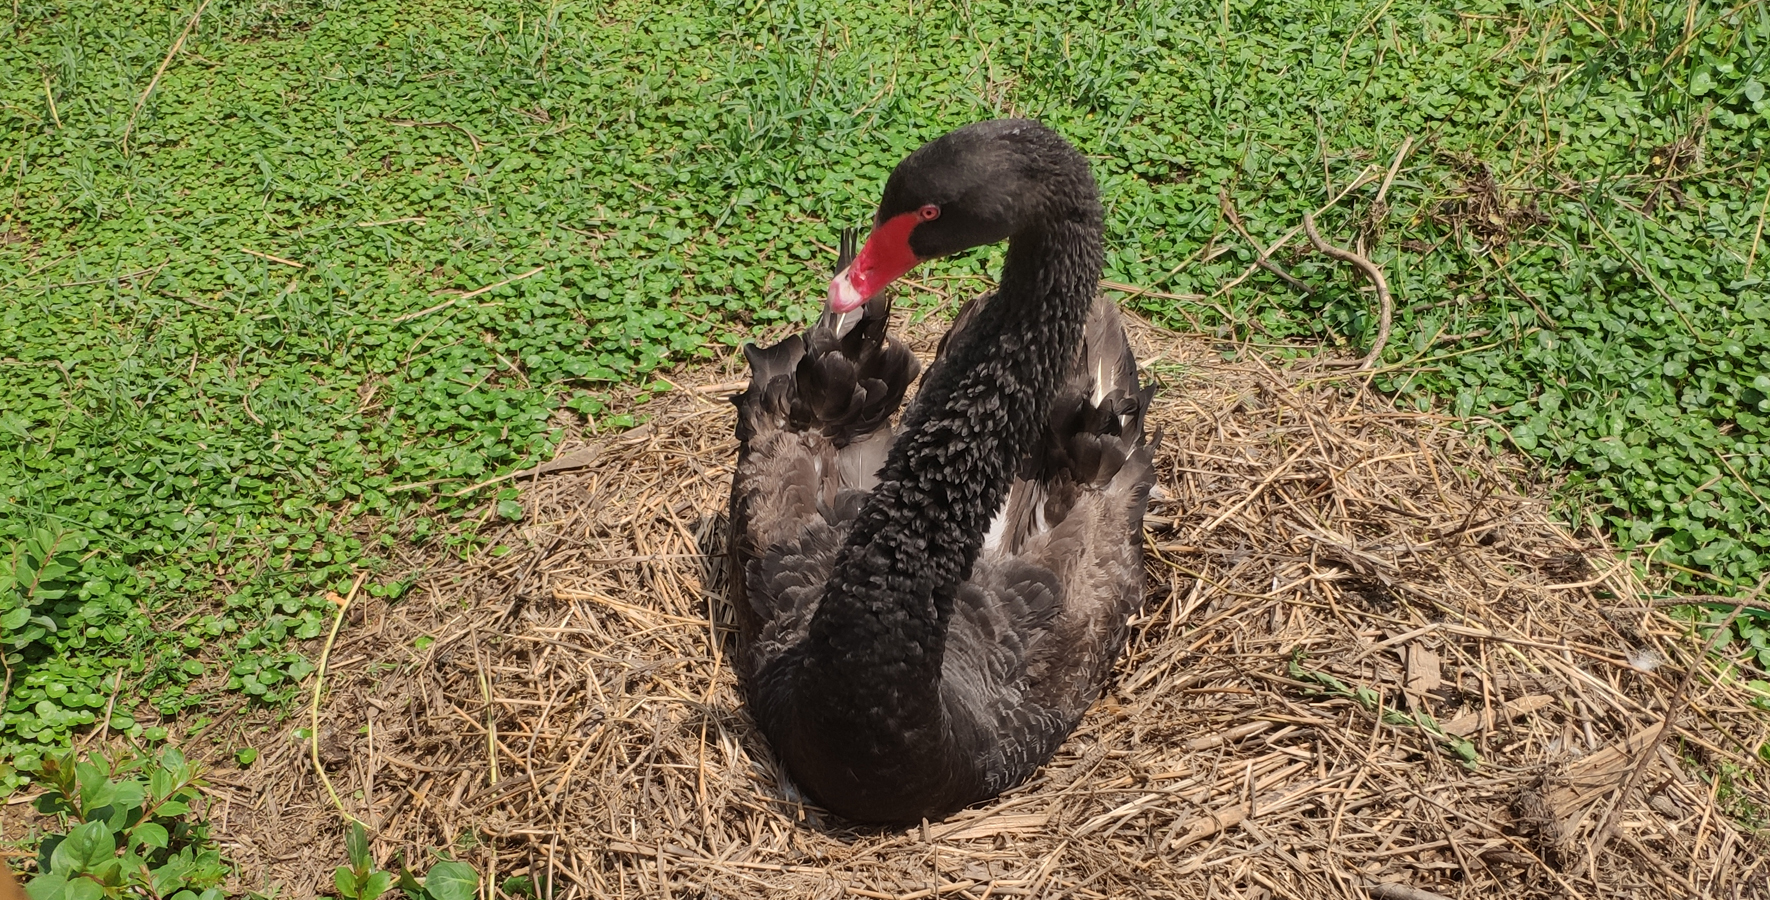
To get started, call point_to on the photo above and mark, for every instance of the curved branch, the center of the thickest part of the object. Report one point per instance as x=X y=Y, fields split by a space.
x=1386 y=306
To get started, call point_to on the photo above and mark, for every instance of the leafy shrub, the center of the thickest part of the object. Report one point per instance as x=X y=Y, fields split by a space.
x=447 y=880
x=69 y=626
x=38 y=571
x=132 y=832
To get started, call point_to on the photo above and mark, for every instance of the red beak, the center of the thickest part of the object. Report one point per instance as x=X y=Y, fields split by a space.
x=884 y=259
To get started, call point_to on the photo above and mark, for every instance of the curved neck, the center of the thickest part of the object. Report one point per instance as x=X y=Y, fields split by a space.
x=879 y=635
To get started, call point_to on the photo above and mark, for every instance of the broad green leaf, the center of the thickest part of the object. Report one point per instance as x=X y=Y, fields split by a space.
x=128 y=794
x=96 y=787
x=173 y=872
x=356 y=846
x=345 y=881
x=160 y=784
x=84 y=849
x=149 y=834
x=56 y=886
x=172 y=759
x=375 y=885
x=451 y=880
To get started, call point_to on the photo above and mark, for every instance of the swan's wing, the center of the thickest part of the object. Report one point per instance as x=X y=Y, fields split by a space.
x=1095 y=448
x=1069 y=540
x=813 y=429
x=1000 y=616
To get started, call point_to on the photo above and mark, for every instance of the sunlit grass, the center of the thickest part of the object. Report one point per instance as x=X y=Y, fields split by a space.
x=237 y=339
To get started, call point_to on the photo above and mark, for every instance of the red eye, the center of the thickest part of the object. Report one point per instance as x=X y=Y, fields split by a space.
x=929 y=212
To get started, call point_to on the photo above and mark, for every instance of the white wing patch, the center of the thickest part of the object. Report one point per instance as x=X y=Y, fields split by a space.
x=998 y=528
x=1029 y=499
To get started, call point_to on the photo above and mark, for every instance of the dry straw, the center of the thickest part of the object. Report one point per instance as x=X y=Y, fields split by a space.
x=1371 y=664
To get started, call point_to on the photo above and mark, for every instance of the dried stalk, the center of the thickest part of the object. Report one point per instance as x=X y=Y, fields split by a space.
x=1371 y=538
x=154 y=82
x=319 y=684
x=1260 y=257
x=1639 y=767
x=1385 y=305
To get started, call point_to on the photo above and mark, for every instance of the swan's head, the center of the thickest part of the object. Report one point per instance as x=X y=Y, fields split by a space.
x=974 y=186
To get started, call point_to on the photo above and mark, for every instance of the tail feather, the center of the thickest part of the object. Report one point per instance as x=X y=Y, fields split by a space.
x=1106 y=353
x=768 y=401
x=844 y=378
x=1097 y=418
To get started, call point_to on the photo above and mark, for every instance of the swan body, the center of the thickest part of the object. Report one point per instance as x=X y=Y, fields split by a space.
x=924 y=613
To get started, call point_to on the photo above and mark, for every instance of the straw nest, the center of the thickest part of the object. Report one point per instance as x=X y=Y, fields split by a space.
x=1371 y=664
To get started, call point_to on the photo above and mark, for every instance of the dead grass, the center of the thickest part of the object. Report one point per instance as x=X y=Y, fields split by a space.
x=1343 y=597
x=1481 y=209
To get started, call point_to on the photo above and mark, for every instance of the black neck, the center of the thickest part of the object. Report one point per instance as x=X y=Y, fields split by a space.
x=879 y=635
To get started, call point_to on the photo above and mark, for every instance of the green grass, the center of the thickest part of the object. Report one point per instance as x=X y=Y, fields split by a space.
x=197 y=441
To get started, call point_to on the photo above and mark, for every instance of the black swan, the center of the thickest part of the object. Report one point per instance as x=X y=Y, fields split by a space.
x=924 y=616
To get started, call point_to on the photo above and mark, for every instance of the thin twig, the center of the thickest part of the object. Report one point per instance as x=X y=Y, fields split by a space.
x=38 y=271
x=1379 y=209
x=275 y=259
x=1207 y=250
x=1693 y=599
x=1363 y=179
x=1132 y=292
x=109 y=708
x=1758 y=232
x=823 y=48
x=1391 y=890
x=1386 y=306
x=1636 y=771
x=404 y=220
x=467 y=296
x=485 y=692
x=319 y=684
x=130 y=276
x=49 y=94
x=577 y=459
x=155 y=81
x=1394 y=167
x=407 y=123
x=1260 y=258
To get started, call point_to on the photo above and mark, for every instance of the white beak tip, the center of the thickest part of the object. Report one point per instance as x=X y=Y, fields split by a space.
x=843 y=296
